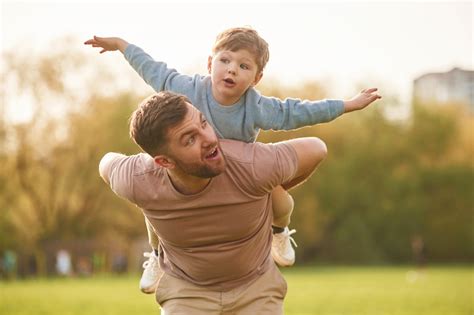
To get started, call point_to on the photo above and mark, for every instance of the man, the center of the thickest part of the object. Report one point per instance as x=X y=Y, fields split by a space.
x=209 y=202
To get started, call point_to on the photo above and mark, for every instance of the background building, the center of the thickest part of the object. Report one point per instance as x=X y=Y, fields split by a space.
x=455 y=86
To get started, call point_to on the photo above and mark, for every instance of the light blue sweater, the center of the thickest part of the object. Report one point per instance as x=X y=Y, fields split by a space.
x=242 y=120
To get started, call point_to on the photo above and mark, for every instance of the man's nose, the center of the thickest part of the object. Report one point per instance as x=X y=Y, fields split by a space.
x=210 y=137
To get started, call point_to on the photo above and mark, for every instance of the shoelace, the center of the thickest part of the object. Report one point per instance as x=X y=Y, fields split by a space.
x=281 y=240
x=291 y=232
x=151 y=262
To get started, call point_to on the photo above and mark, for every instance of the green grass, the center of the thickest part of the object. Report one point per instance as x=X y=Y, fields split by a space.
x=315 y=290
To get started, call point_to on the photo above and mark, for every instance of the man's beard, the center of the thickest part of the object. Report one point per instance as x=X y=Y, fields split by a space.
x=199 y=170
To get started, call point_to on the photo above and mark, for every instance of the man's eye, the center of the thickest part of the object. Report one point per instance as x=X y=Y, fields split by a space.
x=204 y=123
x=191 y=140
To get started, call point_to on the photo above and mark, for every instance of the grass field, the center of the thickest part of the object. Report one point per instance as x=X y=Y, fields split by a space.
x=311 y=291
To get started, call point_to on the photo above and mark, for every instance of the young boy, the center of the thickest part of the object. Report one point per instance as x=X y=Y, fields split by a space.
x=236 y=111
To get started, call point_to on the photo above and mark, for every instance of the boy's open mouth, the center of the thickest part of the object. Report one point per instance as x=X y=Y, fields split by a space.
x=229 y=81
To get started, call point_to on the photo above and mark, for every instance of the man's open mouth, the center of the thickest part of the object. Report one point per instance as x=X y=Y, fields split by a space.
x=213 y=154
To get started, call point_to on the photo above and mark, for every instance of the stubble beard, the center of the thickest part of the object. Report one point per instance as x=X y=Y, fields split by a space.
x=200 y=170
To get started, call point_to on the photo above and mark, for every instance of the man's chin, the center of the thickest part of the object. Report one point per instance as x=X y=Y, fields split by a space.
x=207 y=171
x=216 y=166
x=206 y=168
x=213 y=171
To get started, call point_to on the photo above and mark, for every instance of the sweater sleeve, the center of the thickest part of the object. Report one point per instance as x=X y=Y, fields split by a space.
x=156 y=73
x=273 y=113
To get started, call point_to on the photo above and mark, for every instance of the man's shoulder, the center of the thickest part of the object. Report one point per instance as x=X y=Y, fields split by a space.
x=131 y=165
x=132 y=177
x=259 y=167
x=238 y=150
x=141 y=163
x=244 y=152
x=145 y=164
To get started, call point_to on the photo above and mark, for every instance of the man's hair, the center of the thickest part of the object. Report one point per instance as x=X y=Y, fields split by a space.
x=246 y=38
x=150 y=122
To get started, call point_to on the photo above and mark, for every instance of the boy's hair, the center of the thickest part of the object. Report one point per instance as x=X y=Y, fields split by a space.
x=150 y=122
x=247 y=38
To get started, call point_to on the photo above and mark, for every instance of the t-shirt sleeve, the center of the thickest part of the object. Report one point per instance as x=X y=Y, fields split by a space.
x=118 y=171
x=274 y=165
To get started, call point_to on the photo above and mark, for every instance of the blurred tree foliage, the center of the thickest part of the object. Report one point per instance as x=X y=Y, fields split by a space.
x=383 y=184
x=51 y=189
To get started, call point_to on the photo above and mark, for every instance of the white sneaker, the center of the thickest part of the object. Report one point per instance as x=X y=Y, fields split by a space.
x=150 y=275
x=282 y=251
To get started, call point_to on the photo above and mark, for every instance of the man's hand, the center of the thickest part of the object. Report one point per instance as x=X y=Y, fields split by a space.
x=361 y=100
x=107 y=43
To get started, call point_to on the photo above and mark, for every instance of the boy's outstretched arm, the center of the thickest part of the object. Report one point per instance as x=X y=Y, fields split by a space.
x=292 y=113
x=107 y=43
x=361 y=100
x=154 y=73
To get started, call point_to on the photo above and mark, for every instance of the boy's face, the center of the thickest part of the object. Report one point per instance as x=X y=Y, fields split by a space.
x=232 y=73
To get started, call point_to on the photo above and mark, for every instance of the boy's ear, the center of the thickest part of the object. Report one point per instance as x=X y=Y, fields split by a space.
x=258 y=77
x=209 y=64
x=164 y=161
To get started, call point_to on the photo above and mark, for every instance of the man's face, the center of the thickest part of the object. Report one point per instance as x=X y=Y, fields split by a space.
x=194 y=147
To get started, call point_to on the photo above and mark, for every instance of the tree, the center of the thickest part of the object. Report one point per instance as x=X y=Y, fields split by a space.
x=53 y=191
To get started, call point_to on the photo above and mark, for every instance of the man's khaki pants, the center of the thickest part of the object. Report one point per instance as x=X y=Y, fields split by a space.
x=262 y=296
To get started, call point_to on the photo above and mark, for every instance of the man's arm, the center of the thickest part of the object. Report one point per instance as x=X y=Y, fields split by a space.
x=310 y=152
x=117 y=171
x=286 y=163
x=105 y=165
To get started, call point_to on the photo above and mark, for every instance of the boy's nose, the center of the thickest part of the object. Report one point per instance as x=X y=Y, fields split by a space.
x=231 y=68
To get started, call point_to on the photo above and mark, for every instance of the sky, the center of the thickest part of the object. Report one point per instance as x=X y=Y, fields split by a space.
x=344 y=45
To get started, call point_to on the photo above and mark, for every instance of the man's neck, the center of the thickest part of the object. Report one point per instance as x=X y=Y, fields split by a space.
x=187 y=184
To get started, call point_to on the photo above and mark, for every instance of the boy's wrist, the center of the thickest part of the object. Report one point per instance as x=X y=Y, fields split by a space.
x=122 y=45
x=348 y=106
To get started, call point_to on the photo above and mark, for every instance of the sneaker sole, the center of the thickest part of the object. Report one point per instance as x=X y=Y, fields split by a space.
x=280 y=262
x=148 y=290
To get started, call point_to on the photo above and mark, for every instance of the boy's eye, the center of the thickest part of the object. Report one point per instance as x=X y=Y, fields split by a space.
x=244 y=66
x=225 y=60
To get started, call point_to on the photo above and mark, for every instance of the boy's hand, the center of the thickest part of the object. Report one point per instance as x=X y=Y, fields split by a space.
x=107 y=43
x=361 y=100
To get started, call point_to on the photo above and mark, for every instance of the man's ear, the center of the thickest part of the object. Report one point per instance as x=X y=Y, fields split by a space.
x=164 y=161
x=209 y=64
x=258 y=77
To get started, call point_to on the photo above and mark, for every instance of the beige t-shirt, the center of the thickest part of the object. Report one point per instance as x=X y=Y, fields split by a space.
x=220 y=237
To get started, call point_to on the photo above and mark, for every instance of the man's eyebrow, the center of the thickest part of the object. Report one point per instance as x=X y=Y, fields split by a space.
x=201 y=116
x=186 y=134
